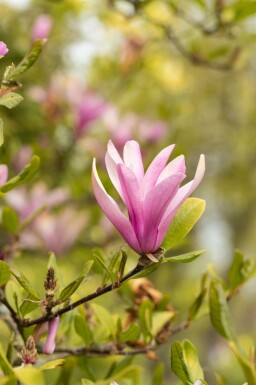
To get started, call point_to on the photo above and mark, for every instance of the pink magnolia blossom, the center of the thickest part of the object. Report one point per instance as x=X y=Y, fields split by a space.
x=27 y=202
x=49 y=345
x=42 y=27
x=90 y=108
x=3 y=49
x=125 y=127
x=55 y=232
x=3 y=174
x=152 y=198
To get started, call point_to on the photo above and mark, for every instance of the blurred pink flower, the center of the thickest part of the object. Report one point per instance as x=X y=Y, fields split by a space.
x=22 y=158
x=152 y=198
x=55 y=232
x=42 y=27
x=121 y=129
x=90 y=108
x=152 y=131
x=3 y=49
x=49 y=345
x=3 y=174
x=124 y=128
x=27 y=202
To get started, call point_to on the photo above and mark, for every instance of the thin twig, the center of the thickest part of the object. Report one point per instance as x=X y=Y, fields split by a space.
x=100 y=291
x=116 y=349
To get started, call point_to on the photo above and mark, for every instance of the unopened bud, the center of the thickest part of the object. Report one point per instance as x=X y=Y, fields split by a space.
x=28 y=353
x=51 y=282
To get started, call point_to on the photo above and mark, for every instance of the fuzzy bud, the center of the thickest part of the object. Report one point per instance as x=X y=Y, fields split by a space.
x=51 y=282
x=28 y=352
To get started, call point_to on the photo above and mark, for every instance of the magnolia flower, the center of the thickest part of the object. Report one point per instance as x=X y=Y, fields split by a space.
x=152 y=198
x=41 y=27
x=90 y=108
x=55 y=232
x=49 y=345
x=28 y=202
x=3 y=49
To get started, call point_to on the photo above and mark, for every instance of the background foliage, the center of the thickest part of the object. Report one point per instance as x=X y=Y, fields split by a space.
x=163 y=72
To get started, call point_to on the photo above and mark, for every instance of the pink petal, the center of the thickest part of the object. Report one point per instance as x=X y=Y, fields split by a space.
x=156 y=202
x=49 y=345
x=3 y=49
x=155 y=169
x=112 y=211
x=3 y=174
x=42 y=27
x=132 y=196
x=112 y=159
x=175 y=166
x=133 y=160
x=179 y=198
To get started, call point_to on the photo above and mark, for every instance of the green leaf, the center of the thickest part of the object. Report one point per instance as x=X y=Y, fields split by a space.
x=145 y=318
x=1 y=133
x=10 y=100
x=25 y=176
x=87 y=267
x=122 y=264
x=70 y=289
x=219 y=312
x=87 y=382
x=160 y=319
x=27 y=307
x=148 y=269
x=192 y=361
x=29 y=375
x=109 y=271
x=243 y=9
x=104 y=318
x=105 y=269
x=241 y=270
x=13 y=294
x=185 y=258
x=201 y=3
x=220 y=379
x=4 y=363
x=52 y=364
x=178 y=363
x=25 y=283
x=196 y=305
x=130 y=334
x=10 y=220
x=28 y=60
x=158 y=375
x=247 y=366
x=184 y=220
x=185 y=363
x=82 y=329
x=5 y=273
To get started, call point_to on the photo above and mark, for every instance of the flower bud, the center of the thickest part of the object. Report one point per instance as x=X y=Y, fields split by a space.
x=51 y=282
x=28 y=352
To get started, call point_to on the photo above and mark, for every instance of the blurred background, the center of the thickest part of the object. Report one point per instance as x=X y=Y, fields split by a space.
x=160 y=72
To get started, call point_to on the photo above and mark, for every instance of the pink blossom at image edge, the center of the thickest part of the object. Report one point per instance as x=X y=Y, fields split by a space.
x=3 y=49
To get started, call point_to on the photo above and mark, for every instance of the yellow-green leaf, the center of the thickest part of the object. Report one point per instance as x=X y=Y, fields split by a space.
x=184 y=220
